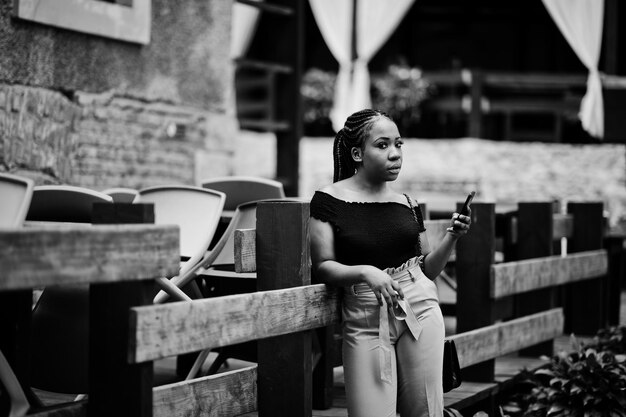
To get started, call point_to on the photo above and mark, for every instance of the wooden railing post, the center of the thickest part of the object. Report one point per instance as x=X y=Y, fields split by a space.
x=584 y=301
x=615 y=248
x=283 y=261
x=535 y=240
x=475 y=127
x=474 y=257
x=115 y=386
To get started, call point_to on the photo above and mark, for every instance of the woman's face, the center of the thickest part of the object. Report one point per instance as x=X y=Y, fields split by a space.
x=381 y=156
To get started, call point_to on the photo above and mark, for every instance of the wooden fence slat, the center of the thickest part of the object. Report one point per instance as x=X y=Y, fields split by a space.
x=490 y=342
x=37 y=257
x=227 y=394
x=245 y=250
x=522 y=276
x=181 y=327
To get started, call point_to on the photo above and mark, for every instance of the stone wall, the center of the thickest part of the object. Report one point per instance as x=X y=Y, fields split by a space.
x=85 y=110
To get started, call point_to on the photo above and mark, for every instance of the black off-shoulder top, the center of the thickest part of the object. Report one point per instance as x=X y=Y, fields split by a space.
x=382 y=234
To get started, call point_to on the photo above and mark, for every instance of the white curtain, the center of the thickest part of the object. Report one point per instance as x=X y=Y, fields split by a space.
x=581 y=23
x=376 y=21
x=243 y=26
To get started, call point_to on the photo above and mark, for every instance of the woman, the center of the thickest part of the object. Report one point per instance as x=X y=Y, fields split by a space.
x=371 y=241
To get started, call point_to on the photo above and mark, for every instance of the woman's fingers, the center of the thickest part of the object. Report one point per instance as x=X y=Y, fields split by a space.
x=398 y=289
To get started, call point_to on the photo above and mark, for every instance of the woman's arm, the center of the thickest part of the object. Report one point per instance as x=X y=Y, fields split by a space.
x=329 y=271
x=435 y=261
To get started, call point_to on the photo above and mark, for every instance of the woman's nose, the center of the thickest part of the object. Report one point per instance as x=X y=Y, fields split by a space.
x=395 y=154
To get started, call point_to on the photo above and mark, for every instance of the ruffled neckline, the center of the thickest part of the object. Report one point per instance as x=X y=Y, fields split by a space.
x=363 y=202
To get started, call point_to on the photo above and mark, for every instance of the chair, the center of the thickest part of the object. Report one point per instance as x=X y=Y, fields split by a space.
x=16 y=195
x=216 y=270
x=243 y=189
x=221 y=259
x=64 y=203
x=121 y=195
x=60 y=320
x=196 y=211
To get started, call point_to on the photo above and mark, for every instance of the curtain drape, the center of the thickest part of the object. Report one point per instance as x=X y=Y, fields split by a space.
x=243 y=26
x=581 y=23
x=376 y=21
x=334 y=19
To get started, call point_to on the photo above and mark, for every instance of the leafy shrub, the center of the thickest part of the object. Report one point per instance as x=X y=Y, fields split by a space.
x=590 y=381
x=398 y=92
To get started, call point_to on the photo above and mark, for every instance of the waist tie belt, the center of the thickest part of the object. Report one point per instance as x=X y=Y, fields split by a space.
x=403 y=312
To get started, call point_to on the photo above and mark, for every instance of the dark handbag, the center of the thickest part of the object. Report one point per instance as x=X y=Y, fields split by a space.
x=451 y=367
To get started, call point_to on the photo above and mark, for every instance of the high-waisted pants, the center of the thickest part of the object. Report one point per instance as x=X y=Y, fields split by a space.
x=400 y=371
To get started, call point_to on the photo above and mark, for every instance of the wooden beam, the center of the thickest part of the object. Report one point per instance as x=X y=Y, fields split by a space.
x=38 y=257
x=285 y=368
x=475 y=256
x=181 y=327
x=522 y=276
x=535 y=228
x=245 y=250
x=490 y=342
x=226 y=394
x=588 y=235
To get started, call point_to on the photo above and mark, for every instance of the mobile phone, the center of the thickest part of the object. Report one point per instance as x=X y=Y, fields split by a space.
x=465 y=209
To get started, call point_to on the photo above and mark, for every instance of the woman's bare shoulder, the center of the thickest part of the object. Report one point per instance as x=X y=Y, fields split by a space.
x=337 y=189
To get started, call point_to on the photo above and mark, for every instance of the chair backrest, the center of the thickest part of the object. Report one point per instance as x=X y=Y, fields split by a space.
x=244 y=218
x=16 y=193
x=121 y=194
x=243 y=189
x=64 y=203
x=195 y=210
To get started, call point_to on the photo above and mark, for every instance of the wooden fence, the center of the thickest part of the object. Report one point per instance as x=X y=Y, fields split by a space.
x=493 y=317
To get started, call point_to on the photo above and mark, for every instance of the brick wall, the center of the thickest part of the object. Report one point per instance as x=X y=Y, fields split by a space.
x=103 y=140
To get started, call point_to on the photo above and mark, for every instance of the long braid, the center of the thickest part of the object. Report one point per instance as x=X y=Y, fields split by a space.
x=353 y=134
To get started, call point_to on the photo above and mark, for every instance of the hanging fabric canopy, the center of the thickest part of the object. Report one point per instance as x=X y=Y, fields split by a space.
x=581 y=22
x=243 y=26
x=375 y=22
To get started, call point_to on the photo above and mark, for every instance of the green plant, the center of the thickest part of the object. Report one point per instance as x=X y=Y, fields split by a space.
x=590 y=381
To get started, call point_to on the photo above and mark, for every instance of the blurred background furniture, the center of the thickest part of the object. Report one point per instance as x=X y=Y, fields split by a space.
x=243 y=189
x=64 y=203
x=60 y=325
x=197 y=211
x=16 y=196
x=121 y=194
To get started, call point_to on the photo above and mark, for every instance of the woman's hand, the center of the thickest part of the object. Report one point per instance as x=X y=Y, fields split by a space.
x=460 y=224
x=382 y=285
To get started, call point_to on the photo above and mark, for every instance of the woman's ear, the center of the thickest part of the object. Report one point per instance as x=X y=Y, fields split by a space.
x=356 y=154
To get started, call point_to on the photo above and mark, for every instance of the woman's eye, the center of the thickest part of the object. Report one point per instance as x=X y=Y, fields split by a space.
x=399 y=144
x=382 y=145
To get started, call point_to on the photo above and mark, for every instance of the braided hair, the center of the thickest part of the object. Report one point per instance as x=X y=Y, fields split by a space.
x=353 y=134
